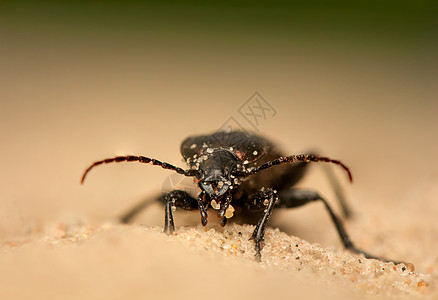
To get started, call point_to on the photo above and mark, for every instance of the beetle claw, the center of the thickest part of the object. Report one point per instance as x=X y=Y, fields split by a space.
x=223 y=221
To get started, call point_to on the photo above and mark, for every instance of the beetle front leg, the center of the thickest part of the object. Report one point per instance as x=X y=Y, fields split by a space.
x=202 y=208
x=265 y=199
x=179 y=199
x=224 y=208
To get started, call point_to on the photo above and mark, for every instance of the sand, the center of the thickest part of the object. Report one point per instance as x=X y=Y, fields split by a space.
x=112 y=261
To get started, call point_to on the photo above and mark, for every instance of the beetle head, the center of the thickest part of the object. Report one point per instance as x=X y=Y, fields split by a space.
x=215 y=169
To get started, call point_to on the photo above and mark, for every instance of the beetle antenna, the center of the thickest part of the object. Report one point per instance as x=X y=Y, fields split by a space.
x=141 y=159
x=301 y=157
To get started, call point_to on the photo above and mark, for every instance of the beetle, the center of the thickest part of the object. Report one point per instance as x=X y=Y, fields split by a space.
x=244 y=172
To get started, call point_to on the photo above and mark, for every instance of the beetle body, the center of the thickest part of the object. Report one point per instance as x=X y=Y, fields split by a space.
x=244 y=172
x=222 y=157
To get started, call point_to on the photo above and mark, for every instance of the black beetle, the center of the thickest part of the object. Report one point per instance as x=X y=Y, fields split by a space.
x=229 y=170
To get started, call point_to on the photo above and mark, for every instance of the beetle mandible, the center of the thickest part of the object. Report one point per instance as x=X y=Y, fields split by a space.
x=242 y=171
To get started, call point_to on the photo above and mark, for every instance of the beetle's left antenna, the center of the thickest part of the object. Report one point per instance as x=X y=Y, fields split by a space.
x=141 y=159
x=295 y=158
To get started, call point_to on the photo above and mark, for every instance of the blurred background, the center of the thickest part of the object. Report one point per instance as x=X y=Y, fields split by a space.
x=85 y=80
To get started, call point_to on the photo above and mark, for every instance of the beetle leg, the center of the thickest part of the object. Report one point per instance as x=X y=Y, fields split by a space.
x=265 y=199
x=169 y=225
x=179 y=199
x=294 y=173
x=127 y=217
x=202 y=208
x=339 y=192
x=298 y=197
x=224 y=208
x=225 y=205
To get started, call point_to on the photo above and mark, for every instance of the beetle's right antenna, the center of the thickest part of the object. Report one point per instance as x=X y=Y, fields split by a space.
x=141 y=159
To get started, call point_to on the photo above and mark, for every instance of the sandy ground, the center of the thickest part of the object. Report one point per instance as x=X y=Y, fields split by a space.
x=129 y=262
x=70 y=98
